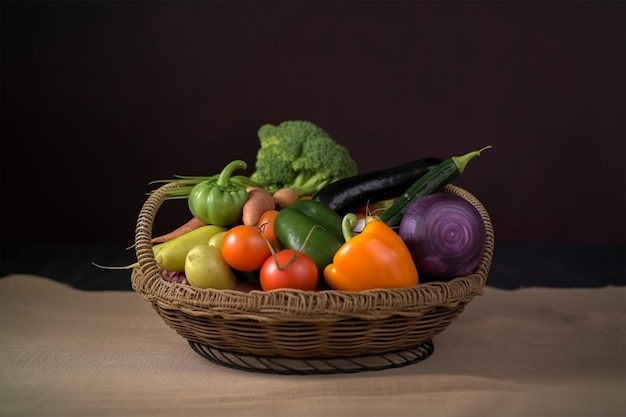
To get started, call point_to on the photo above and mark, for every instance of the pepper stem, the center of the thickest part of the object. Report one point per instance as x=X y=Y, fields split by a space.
x=461 y=161
x=223 y=180
x=348 y=222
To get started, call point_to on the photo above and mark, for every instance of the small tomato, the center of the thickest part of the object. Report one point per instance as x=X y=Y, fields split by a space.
x=266 y=225
x=244 y=248
x=289 y=269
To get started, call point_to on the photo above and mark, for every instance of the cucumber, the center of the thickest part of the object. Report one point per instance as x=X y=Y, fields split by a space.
x=310 y=227
x=329 y=219
x=347 y=194
x=431 y=182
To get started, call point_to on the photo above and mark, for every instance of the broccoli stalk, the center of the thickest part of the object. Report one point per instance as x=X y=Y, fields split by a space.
x=307 y=183
x=299 y=155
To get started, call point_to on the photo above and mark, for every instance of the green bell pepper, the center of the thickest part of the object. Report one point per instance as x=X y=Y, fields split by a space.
x=310 y=227
x=219 y=201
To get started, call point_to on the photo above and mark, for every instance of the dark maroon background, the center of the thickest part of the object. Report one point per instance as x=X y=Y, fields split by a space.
x=99 y=98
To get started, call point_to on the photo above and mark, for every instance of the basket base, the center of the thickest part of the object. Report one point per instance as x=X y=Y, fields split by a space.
x=294 y=366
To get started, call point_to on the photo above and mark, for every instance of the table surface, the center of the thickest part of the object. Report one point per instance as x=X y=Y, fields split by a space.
x=524 y=352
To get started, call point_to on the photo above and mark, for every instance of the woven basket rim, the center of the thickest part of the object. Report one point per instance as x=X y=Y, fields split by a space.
x=290 y=304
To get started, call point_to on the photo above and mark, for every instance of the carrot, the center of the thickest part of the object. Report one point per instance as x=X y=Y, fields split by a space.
x=284 y=198
x=192 y=224
x=259 y=201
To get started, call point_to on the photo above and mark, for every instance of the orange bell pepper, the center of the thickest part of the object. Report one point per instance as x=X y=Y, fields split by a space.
x=375 y=258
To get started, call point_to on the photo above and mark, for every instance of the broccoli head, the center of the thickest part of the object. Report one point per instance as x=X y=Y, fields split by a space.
x=299 y=155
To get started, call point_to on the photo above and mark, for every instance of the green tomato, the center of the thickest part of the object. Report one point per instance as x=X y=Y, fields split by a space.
x=216 y=240
x=205 y=268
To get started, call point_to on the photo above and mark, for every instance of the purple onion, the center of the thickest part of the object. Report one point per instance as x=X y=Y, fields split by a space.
x=175 y=277
x=445 y=235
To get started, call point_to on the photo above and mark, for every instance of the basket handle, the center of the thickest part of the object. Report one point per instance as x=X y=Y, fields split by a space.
x=143 y=232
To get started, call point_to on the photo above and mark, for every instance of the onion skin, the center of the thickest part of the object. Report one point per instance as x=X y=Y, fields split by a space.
x=445 y=235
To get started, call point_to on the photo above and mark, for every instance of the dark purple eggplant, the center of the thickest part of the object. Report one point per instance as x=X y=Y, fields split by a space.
x=350 y=193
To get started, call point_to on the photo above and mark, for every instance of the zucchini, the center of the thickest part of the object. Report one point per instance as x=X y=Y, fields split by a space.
x=431 y=182
x=326 y=218
x=347 y=194
x=312 y=228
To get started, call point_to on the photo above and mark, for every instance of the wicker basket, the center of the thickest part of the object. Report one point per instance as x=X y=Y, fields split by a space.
x=293 y=325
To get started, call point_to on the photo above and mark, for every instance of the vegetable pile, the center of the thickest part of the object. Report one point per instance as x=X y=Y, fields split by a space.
x=306 y=219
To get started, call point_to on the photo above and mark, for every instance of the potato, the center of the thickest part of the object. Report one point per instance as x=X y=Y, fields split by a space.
x=205 y=268
x=216 y=240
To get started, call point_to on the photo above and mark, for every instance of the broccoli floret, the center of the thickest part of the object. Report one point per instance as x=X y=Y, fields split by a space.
x=299 y=155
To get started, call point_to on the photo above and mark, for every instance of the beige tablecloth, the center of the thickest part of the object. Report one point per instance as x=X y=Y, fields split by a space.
x=529 y=352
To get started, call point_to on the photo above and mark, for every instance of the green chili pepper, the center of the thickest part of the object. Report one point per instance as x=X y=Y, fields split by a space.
x=219 y=201
x=310 y=227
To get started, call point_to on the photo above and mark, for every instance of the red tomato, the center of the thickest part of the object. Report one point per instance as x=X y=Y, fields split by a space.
x=266 y=225
x=290 y=269
x=244 y=248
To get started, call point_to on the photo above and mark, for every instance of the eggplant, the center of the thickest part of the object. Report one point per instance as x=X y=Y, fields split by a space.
x=347 y=194
x=434 y=181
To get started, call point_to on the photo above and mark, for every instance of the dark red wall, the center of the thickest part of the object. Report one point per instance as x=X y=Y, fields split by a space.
x=99 y=98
